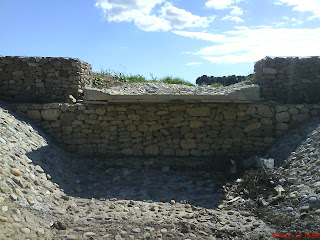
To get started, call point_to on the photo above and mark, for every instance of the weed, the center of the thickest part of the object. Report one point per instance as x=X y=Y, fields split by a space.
x=216 y=85
x=250 y=78
x=102 y=78
x=176 y=80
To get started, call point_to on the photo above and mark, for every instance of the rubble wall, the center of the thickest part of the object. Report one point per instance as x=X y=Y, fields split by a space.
x=289 y=80
x=42 y=79
x=203 y=130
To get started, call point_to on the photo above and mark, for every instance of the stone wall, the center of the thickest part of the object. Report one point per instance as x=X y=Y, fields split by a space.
x=289 y=80
x=240 y=130
x=42 y=79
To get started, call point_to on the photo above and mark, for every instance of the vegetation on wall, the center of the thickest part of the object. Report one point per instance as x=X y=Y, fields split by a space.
x=104 y=78
x=223 y=81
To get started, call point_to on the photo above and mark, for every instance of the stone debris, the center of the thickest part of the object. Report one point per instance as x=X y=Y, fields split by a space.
x=86 y=199
x=159 y=88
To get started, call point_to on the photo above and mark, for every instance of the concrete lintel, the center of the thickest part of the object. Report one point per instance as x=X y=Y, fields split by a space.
x=249 y=94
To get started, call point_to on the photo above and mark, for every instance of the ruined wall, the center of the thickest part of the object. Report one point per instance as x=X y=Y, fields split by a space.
x=42 y=79
x=202 y=130
x=289 y=80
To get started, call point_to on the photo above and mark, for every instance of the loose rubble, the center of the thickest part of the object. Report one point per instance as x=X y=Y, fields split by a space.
x=46 y=193
x=160 y=88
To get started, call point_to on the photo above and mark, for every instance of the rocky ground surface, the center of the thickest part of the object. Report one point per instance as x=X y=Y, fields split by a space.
x=48 y=194
x=122 y=88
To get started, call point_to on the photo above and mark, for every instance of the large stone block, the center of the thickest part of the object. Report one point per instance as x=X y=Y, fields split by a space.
x=229 y=115
x=51 y=114
x=283 y=117
x=252 y=126
x=198 y=111
x=34 y=114
x=188 y=144
x=196 y=124
x=151 y=150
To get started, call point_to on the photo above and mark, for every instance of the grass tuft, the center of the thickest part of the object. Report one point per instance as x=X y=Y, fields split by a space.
x=103 y=78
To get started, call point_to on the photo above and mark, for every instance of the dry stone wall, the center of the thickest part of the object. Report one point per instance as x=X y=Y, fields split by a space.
x=42 y=79
x=289 y=80
x=203 y=130
x=179 y=130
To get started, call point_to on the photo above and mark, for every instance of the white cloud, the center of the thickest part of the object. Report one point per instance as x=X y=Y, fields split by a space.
x=233 y=18
x=152 y=23
x=126 y=10
x=303 y=6
x=140 y=12
x=236 y=11
x=193 y=63
x=220 y=4
x=180 y=18
x=250 y=45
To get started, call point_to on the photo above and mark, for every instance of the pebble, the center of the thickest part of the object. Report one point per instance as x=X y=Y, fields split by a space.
x=39 y=169
x=3 y=219
x=4 y=208
x=136 y=230
x=13 y=197
x=15 y=172
x=164 y=230
x=89 y=234
x=30 y=200
x=25 y=230
x=18 y=192
x=289 y=209
x=312 y=200
x=305 y=209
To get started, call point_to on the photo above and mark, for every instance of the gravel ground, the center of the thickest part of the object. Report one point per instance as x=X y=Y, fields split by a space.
x=46 y=193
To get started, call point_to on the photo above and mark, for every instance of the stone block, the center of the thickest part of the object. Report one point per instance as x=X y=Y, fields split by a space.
x=188 y=144
x=34 y=114
x=51 y=114
x=283 y=117
x=152 y=150
x=269 y=71
x=282 y=126
x=229 y=115
x=198 y=111
x=196 y=124
x=252 y=126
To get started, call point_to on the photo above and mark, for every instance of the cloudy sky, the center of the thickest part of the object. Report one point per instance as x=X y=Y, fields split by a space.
x=184 y=38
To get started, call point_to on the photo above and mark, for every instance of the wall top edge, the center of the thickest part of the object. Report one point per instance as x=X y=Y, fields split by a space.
x=34 y=57
x=288 y=58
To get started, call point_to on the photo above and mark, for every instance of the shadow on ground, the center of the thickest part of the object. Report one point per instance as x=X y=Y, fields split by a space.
x=93 y=178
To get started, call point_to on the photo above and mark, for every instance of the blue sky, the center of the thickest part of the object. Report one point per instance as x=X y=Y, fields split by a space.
x=183 y=38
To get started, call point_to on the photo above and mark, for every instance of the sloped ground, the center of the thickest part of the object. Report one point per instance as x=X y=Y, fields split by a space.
x=48 y=194
x=297 y=209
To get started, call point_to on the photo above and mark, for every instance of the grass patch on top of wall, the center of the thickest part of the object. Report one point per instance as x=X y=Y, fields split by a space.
x=105 y=78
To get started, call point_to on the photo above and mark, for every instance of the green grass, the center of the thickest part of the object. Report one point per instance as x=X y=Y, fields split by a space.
x=250 y=78
x=102 y=78
x=216 y=85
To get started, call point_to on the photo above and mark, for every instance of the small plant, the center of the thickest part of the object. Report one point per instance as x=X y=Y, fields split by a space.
x=250 y=79
x=216 y=85
x=136 y=78
x=105 y=76
x=171 y=80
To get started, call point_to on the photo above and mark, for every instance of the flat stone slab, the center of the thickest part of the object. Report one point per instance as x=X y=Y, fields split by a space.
x=243 y=95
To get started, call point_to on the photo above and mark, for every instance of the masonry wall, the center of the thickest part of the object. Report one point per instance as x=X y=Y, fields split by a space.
x=289 y=80
x=42 y=79
x=240 y=130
